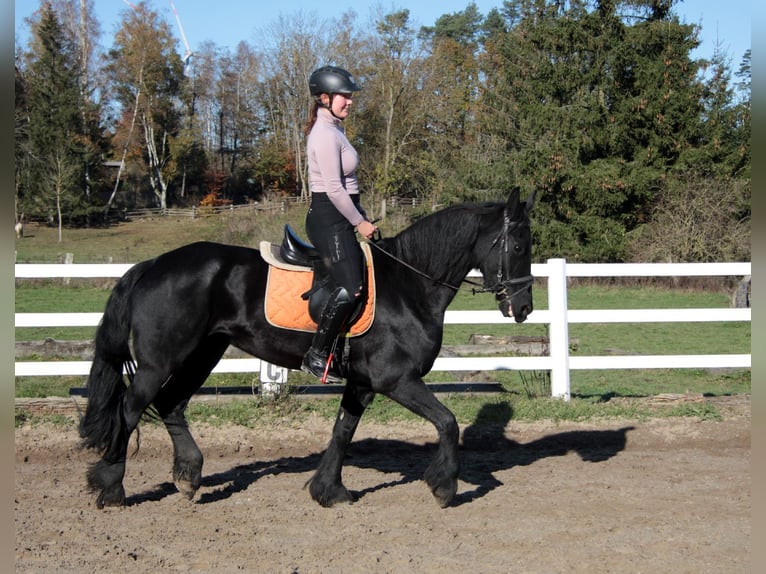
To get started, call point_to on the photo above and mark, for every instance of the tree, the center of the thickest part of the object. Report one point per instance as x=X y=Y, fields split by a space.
x=82 y=29
x=697 y=219
x=300 y=45
x=238 y=95
x=743 y=116
x=21 y=148
x=744 y=74
x=452 y=93
x=392 y=108
x=594 y=106
x=147 y=73
x=207 y=69
x=55 y=132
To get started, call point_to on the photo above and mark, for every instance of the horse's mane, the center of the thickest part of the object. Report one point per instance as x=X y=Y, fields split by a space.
x=442 y=239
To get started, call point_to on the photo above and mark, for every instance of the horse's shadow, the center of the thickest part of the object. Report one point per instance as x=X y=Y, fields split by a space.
x=485 y=450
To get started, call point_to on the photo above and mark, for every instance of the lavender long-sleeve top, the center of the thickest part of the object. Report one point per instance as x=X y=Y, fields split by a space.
x=332 y=163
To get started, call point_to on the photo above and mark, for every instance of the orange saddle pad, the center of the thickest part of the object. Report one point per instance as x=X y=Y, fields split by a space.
x=285 y=308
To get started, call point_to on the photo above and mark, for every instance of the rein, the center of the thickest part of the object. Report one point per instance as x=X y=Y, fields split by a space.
x=414 y=269
x=500 y=289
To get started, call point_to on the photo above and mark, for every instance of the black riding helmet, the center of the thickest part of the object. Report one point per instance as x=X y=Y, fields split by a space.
x=332 y=80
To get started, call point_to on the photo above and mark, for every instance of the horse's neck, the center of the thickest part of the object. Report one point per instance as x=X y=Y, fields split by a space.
x=433 y=263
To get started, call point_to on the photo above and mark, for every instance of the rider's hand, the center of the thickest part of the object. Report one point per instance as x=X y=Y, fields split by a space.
x=366 y=229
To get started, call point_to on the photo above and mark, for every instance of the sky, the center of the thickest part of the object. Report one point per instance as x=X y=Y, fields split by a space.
x=724 y=23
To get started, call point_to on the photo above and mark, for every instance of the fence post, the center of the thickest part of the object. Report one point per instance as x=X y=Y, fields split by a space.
x=273 y=380
x=68 y=260
x=559 y=328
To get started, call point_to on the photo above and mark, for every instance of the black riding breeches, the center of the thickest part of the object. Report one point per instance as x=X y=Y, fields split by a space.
x=335 y=239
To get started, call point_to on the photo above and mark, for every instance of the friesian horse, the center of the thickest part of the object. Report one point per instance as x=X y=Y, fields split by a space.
x=182 y=309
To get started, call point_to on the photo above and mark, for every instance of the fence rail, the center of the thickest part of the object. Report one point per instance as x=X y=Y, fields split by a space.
x=557 y=316
x=274 y=204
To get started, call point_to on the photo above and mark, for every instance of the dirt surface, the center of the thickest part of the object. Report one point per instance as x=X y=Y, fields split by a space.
x=662 y=495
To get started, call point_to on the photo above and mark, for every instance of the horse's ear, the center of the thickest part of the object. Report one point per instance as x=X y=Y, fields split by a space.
x=530 y=202
x=514 y=205
x=513 y=200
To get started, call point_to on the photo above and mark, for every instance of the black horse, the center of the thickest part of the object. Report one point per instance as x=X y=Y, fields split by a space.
x=182 y=309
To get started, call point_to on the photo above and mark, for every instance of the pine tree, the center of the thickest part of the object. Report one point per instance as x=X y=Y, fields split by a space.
x=594 y=106
x=54 y=124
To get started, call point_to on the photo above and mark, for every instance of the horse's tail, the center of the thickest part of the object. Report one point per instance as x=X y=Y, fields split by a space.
x=103 y=418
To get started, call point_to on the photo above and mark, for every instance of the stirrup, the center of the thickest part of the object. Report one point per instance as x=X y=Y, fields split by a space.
x=315 y=365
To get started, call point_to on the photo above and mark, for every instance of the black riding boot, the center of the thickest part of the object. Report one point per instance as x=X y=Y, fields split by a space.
x=335 y=313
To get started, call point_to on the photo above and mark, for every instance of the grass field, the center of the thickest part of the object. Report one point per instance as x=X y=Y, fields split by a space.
x=131 y=242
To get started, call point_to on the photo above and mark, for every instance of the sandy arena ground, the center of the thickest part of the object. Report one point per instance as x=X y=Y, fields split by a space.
x=656 y=496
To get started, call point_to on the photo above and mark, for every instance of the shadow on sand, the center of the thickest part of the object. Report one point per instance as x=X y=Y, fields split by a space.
x=484 y=451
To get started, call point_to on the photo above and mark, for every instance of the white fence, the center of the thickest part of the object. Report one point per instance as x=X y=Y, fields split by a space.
x=557 y=316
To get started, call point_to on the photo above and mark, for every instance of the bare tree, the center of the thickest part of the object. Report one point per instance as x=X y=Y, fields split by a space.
x=300 y=44
x=147 y=73
x=238 y=89
x=697 y=219
x=395 y=104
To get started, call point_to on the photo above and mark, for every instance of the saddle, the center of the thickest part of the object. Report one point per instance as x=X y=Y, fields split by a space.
x=299 y=284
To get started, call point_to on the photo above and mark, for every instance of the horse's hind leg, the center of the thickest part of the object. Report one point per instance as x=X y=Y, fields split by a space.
x=106 y=475
x=187 y=457
x=171 y=404
x=441 y=474
x=326 y=486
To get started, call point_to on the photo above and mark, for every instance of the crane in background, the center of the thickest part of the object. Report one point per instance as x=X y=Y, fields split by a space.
x=188 y=54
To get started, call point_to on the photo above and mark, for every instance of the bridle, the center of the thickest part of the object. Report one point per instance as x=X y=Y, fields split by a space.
x=503 y=284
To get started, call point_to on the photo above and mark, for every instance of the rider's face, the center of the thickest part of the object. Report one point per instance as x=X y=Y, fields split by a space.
x=339 y=104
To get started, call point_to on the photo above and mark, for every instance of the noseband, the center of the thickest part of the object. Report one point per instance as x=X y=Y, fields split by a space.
x=504 y=283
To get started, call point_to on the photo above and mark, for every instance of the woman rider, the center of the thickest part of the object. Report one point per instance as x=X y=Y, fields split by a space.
x=335 y=212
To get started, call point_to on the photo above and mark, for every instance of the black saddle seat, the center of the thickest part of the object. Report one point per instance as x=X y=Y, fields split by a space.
x=296 y=251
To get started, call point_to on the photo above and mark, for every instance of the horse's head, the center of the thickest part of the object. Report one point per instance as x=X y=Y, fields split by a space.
x=507 y=268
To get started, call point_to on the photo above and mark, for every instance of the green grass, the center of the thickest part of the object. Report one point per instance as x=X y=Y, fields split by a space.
x=469 y=410
x=121 y=243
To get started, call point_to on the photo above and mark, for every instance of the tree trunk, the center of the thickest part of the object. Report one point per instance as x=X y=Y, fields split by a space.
x=159 y=186
x=58 y=212
x=124 y=155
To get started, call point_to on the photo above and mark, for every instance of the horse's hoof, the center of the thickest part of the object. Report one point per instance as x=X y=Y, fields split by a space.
x=186 y=488
x=329 y=502
x=329 y=497
x=187 y=477
x=111 y=497
x=444 y=496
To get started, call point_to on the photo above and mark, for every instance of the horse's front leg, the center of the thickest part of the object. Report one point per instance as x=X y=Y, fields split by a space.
x=441 y=474
x=326 y=486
